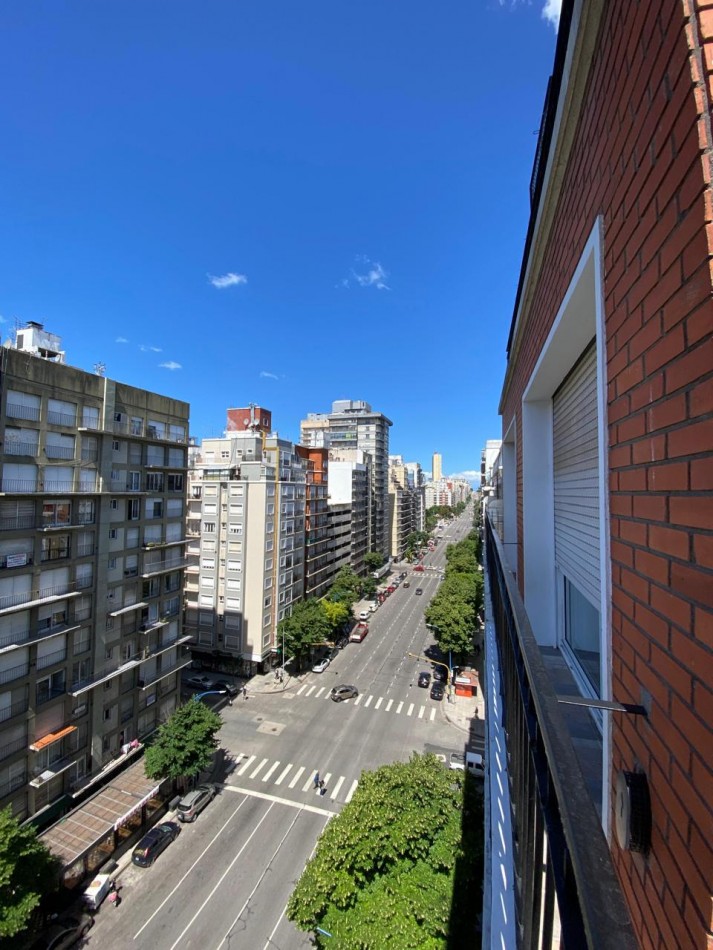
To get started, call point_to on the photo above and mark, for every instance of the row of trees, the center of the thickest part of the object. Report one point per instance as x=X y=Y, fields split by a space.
x=315 y=622
x=454 y=609
x=400 y=866
x=440 y=512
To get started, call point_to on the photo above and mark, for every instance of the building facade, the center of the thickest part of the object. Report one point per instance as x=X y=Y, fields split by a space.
x=319 y=545
x=245 y=564
x=91 y=571
x=607 y=455
x=352 y=426
x=437 y=466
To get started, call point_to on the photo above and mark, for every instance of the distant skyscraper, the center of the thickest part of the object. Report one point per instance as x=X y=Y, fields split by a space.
x=437 y=466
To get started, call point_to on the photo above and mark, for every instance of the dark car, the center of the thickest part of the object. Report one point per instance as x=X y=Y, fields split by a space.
x=230 y=688
x=340 y=693
x=424 y=679
x=154 y=842
x=437 y=690
x=418 y=591
x=194 y=802
x=64 y=932
x=440 y=674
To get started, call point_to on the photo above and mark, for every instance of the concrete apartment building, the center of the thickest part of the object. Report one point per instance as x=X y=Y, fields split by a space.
x=92 y=513
x=319 y=544
x=349 y=501
x=246 y=557
x=353 y=427
x=601 y=569
x=404 y=506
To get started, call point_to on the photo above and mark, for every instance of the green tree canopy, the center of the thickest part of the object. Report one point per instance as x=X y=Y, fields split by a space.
x=383 y=874
x=373 y=559
x=338 y=613
x=27 y=873
x=184 y=744
x=307 y=625
x=346 y=587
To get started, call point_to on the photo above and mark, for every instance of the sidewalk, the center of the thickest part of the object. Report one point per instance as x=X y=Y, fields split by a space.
x=464 y=709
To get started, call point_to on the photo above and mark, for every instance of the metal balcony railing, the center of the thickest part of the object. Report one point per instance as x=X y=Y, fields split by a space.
x=10 y=748
x=12 y=560
x=14 y=709
x=31 y=449
x=51 y=658
x=18 y=523
x=45 y=695
x=26 y=597
x=59 y=452
x=61 y=418
x=14 y=673
x=564 y=877
x=16 y=411
x=17 y=781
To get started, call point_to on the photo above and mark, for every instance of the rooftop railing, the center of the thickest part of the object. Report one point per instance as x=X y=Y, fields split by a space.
x=564 y=877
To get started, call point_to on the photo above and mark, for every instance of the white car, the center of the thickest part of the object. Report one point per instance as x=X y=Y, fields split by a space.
x=364 y=615
x=321 y=666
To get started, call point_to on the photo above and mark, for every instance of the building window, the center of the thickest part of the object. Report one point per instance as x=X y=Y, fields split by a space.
x=133 y=509
x=114 y=502
x=115 y=445
x=209 y=527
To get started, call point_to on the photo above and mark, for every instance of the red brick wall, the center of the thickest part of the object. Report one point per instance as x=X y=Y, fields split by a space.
x=642 y=160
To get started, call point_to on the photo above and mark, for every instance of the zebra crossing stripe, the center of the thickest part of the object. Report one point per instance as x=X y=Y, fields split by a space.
x=410 y=709
x=399 y=708
x=421 y=712
x=368 y=702
x=351 y=790
x=379 y=702
x=358 y=699
x=262 y=765
x=301 y=690
x=296 y=776
x=246 y=765
x=283 y=774
x=319 y=693
x=310 y=781
x=337 y=787
x=433 y=715
x=311 y=690
x=389 y=705
x=266 y=776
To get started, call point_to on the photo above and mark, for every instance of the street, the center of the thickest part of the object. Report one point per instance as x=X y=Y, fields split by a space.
x=226 y=880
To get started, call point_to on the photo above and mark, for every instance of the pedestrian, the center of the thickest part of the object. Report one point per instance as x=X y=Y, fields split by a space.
x=245 y=692
x=316 y=780
x=322 y=789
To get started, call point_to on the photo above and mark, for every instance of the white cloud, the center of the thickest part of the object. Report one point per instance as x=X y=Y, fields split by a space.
x=171 y=364
x=551 y=12
x=369 y=274
x=121 y=339
x=149 y=349
x=265 y=375
x=227 y=280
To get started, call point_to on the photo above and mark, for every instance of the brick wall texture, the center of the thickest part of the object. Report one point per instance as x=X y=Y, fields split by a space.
x=642 y=160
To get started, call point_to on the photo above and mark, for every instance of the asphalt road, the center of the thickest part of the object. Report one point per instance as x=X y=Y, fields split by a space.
x=225 y=882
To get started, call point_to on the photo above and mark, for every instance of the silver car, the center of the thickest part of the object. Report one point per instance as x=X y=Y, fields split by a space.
x=194 y=802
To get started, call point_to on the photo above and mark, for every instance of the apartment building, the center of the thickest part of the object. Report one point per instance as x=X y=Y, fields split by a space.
x=92 y=514
x=319 y=567
x=403 y=506
x=352 y=426
x=437 y=467
x=350 y=507
x=246 y=557
x=601 y=566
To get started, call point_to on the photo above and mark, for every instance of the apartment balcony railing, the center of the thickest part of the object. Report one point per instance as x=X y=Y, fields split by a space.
x=85 y=550
x=180 y=664
x=10 y=748
x=14 y=673
x=61 y=418
x=28 y=486
x=18 y=523
x=59 y=452
x=12 y=785
x=563 y=874
x=45 y=695
x=47 y=773
x=170 y=564
x=15 y=411
x=51 y=658
x=14 y=709
x=56 y=555
x=89 y=455
x=30 y=449
x=44 y=594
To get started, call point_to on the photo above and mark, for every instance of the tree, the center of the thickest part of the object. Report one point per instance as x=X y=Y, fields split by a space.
x=185 y=744
x=346 y=586
x=337 y=612
x=383 y=874
x=27 y=872
x=307 y=625
x=373 y=560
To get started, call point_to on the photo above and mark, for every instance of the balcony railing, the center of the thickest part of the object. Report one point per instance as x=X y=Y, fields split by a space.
x=10 y=748
x=14 y=673
x=17 y=781
x=61 y=418
x=14 y=709
x=31 y=449
x=44 y=593
x=14 y=560
x=27 y=486
x=18 y=523
x=57 y=657
x=15 y=411
x=45 y=695
x=563 y=874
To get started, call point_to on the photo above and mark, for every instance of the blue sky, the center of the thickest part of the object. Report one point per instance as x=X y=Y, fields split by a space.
x=272 y=202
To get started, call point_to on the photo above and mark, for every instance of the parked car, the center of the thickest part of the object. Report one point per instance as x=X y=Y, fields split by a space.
x=230 y=688
x=471 y=761
x=200 y=682
x=407 y=584
x=419 y=567
x=154 y=842
x=418 y=591
x=424 y=679
x=340 y=693
x=193 y=803
x=364 y=615
x=321 y=666
x=64 y=932
x=440 y=674
x=437 y=690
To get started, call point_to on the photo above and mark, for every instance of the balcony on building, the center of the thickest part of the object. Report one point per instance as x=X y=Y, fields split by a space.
x=112 y=670
x=551 y=880
x=11 y=603
x=56 y=768
x=13 y=783
x=34 y=486
x=11 y=748
x=158 y=675
x=149 y=544
x=12 y=710
x=163 y=567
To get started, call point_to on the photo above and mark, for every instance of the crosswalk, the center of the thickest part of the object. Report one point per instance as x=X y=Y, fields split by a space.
x=290 y=775
x=427 y=713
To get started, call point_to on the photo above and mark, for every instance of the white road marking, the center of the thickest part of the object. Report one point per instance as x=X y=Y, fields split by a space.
x=301 y=690
x=308 y=783
x=379 y=702
x=311 y=690
x=352 y=790
x=220 y=880
x=337 y=787
x=266 y=796
x=410 y=709
x=399 y=708
x=246 y=765
x=368 y=702
x=283 y=773
x=433 y=715
x=389 y=705
x=266 y=776
x=170 y=895
x=421 y=712
x=358 y=699
x=296 y=776
x=320 y=691
x=262 y=765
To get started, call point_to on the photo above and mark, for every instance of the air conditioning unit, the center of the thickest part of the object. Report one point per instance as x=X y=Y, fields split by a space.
x=79 y=710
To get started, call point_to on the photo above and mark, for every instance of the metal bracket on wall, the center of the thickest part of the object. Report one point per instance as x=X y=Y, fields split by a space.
x=609 y=705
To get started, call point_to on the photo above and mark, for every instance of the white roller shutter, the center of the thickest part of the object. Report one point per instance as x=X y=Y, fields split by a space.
x=576 y=477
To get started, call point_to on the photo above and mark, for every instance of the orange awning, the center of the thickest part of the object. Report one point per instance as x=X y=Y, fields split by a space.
x=51 y=737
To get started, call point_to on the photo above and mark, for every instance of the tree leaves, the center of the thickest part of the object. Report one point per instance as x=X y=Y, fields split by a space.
x=27 y=872
x=185 y=743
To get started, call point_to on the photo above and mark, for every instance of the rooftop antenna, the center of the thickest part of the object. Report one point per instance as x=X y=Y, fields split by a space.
x=100 y=369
